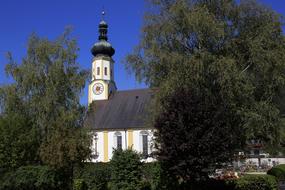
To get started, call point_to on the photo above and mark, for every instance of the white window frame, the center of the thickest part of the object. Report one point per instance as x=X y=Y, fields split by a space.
x=144 y=133
x=115 y=141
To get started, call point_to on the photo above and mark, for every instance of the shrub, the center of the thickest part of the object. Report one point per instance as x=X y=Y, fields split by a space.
x=32 y=178
x=256 y=182
x=277 y=171
x=152 y=175
x=79 y=184
x=126 y=170
x=95 y=175
x=209 y=184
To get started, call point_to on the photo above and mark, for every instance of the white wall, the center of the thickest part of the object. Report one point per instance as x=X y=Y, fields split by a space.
x=102 y=96
x=137 y=143
x=100 y=149
x=112 y=142
x=265 y=161
x=106 y=64
x=101 y=63
x=101 y=78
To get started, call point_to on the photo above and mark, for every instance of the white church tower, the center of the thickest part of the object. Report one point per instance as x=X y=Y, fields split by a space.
x=102 y=84
x=117 y=118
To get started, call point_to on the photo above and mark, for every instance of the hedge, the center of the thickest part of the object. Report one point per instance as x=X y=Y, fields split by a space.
x=277 y=171
x=256 y=182
x=79 y=184
x=32 y=178
x=96 y=176
x=152 y=175
x=93 y=175
x=248 y=182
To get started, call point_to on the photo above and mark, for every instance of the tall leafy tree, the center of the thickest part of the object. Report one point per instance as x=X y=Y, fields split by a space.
x=48 y=83
x=18 y=142
x=219 y=70
x=19 y=138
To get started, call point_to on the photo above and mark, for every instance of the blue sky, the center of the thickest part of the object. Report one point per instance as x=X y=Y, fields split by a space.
x=48 y=18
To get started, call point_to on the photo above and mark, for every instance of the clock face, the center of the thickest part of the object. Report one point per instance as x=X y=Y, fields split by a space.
x=98 y=88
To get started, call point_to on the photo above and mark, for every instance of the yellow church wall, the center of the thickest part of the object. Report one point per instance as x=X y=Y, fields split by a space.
x=105 y=142
x=130 y=138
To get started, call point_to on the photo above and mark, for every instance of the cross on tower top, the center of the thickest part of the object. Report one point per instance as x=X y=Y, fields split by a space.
x=103 y=14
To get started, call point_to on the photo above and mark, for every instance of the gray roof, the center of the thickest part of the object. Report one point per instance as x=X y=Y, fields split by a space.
x=123 y=110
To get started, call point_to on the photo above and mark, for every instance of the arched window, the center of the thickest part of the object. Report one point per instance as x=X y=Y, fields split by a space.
x=144 y=144
x=98 y=70
x=118 y=140
x=105 y=71
x=111 y=72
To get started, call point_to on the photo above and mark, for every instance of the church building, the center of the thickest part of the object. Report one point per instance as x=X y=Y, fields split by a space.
x=118 y=119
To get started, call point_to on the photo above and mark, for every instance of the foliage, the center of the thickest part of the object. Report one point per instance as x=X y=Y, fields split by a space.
x=95 y=175
x=152 y=175
x=48 y=83
x=211 y=184
x=41 y=109
x=218 y=67
x=65 y=146
x=32 y=178
x=79 y=184
x=19 y=138
x=126 y=170
x=277 y=171
x=248 y=182
x=198 y=143
x=256 y=182
x=10 y=101
x=18 y=141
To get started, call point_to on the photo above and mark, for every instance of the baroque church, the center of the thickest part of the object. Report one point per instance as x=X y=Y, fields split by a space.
x=117 y=118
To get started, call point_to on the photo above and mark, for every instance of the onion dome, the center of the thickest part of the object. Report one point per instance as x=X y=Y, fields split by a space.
x=103 y=47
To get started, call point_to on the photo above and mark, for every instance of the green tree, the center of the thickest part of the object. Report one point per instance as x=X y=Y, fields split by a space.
x=18 y=142
x=48 y=84
x=19 y=138
x=126 y=171
x=95 y=175
x=218 y=67
x=197 y=129
x=32 y=178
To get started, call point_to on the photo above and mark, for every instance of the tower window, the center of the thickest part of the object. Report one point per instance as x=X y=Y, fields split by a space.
x=105 y=70
x=98 y=70
x=111 y=73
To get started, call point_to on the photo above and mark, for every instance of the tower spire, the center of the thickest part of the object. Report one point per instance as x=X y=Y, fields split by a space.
x=103 y=47
x=103 y=30
x=102 y=84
